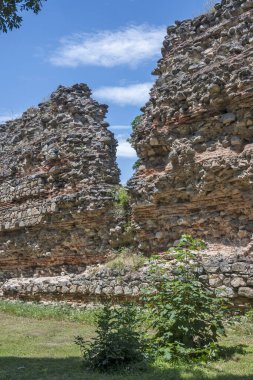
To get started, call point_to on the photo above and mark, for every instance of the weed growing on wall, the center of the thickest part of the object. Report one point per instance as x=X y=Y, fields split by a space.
x=126 y=258
x=122 y=197
x=134 y=125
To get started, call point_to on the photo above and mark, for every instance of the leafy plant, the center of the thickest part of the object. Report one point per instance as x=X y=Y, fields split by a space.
x=136 y=121
x=121 y=197
x=249 y=315
x=184 y=317
x=134 y=125
x=188 y=243
x=118 y=342
x=137 y=164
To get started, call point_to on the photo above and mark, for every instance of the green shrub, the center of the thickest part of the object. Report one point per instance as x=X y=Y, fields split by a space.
x=137 y=164
x=134 y=125
x=136 y=121
x=121 y=197
x=186 y=244
x=184 y=317
x=118 y=342
x=249 y=315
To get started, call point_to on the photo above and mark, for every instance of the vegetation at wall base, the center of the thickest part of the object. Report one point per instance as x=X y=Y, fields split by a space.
x=118 y=344
x=179 y=322
x=40 y=311
x=184 y=317
x=249 y=316
x=43 y=349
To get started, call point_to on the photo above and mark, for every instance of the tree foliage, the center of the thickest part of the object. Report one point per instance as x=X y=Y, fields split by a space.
x=10 y=10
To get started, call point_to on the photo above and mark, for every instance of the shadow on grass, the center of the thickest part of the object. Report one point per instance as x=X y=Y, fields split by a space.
x=227 y=353
x=71 y=369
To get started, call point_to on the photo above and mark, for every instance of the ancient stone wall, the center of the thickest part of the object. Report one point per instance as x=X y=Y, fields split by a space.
x=57 y=178
x=195 y=144
x=195 y=137
x=228 y=274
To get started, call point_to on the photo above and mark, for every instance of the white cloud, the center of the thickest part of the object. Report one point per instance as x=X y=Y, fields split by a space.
x=128 y=46
x=4 y=118
x=135 y=95
x=125 y=150
x=122 y=136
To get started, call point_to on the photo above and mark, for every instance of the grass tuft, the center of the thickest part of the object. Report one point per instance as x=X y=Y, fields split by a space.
x=126 y=259
x=47 y=312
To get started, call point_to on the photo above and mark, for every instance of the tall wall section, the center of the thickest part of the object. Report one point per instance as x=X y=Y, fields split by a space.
x=57 y=178
x=195 y=137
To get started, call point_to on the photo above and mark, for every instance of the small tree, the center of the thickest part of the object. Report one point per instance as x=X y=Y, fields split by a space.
x=184 y=317
x=10 y=12
x=118 y=342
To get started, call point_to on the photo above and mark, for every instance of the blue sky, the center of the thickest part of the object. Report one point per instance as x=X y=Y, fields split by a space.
x=112 y=45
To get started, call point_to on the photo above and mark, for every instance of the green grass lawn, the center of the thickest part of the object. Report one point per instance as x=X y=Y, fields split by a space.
x=36 y=343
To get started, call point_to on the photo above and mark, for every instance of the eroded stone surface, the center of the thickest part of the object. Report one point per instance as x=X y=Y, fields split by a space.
x=195 y=143
x=99 y=282
x=57 y=178
x=195 y=138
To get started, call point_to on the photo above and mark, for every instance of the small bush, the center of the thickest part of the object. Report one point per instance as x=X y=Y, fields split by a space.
x=188 y=243
x=121 y=197
x=118 y=343
x=134 y=125
x=137 y=164
x=136 y=122
x=184 y=317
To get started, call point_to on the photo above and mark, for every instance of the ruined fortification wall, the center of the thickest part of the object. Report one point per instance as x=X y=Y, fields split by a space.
x=195 y=144
x=228 y=274
x=57 y=178
x=195 y=138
